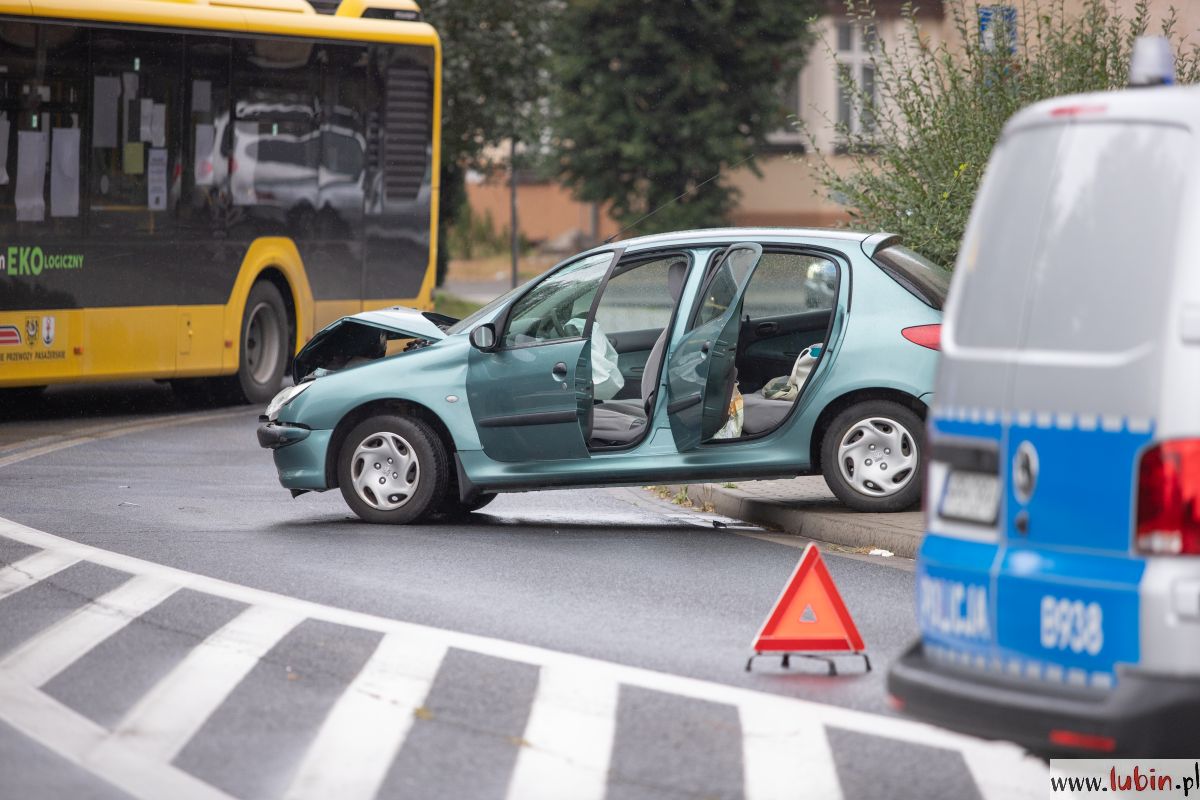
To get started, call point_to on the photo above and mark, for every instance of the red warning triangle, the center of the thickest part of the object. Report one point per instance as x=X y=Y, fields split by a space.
x=809 y=614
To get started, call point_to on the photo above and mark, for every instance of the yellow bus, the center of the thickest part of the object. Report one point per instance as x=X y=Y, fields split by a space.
x=191 y=188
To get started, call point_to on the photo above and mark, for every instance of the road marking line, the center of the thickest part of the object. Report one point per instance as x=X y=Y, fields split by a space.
x=781 y=752
x=111 y=432
x=34 y=568
x=424 y=636
x=80 y=741
x=169 y=715
x=359 y=739
x=568 y=737
x=38 y=659
x=1006 y=776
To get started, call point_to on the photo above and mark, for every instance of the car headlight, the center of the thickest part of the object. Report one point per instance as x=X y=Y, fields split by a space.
x=283 y=398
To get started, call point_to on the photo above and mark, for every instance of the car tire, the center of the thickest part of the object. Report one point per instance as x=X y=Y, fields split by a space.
x=863 y=480
x=407 y=494
x=453 y=509
x=264 y=349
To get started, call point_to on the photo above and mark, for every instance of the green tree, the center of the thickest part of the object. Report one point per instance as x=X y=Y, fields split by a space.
x=494 y=81
x=655 y=98
x=938 y=111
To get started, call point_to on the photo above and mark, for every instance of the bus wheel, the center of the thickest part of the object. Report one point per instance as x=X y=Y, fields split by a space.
x=264 y=346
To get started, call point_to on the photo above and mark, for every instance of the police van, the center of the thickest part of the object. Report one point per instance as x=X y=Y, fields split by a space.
x=1058 y=585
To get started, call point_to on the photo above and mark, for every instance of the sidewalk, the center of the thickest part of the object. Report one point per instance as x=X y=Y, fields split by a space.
x=806 y=507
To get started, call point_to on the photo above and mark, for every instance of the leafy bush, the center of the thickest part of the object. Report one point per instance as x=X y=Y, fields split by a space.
x=939 y=110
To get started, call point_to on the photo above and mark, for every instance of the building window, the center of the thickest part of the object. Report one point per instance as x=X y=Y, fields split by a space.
x=855 y=48
x=788 y=135
x=998 y=25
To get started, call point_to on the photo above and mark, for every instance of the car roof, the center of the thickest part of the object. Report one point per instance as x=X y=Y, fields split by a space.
x=1179 y=105
x=736 y=234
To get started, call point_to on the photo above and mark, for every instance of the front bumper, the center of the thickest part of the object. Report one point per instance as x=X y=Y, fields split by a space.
x=1145 y=715
x=272 y=435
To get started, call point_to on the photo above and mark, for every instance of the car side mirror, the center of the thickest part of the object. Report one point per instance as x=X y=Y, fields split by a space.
x=483 y=337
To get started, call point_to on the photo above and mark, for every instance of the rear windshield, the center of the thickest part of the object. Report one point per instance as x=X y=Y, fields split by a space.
x=1071 y=243
x=915 y=272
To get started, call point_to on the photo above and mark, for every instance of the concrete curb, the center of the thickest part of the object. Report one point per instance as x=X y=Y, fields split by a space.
x=824 y=521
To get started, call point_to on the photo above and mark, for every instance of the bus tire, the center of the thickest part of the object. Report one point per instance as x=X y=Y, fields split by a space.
x=263 y=347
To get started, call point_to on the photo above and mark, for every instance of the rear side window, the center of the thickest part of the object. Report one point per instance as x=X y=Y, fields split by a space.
x=925 y=279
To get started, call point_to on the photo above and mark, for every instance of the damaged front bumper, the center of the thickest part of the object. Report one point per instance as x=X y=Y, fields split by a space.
x=273 y=435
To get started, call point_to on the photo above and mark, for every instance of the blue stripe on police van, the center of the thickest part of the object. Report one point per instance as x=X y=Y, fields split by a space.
x=1045 y=420
x=1018 y=668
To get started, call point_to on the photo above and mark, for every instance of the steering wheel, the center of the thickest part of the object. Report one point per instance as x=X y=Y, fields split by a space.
x=551 y=324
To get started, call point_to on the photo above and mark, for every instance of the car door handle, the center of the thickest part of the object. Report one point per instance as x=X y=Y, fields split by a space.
x=560 y=371
x=767 y=328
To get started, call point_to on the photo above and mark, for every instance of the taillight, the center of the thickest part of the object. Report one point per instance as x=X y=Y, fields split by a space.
x=925 y=335
x=1168 y=499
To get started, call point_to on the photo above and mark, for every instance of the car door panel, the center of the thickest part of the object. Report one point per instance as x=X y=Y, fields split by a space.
x=700 y=370
x=532 y=400
x=547 y=389
x=770 y=345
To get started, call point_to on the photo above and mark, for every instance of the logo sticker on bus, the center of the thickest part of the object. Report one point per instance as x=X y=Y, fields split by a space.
x=10 y=335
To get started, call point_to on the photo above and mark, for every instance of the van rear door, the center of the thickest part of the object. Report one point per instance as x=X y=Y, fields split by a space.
x=1050 y=383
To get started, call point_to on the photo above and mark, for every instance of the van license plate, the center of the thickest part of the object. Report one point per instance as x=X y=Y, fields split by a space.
x=971 y=496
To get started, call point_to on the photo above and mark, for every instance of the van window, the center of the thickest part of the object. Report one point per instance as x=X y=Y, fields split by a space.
x=1076 y=230
x=923 y=278
x=999 y=246
x=1108 y=238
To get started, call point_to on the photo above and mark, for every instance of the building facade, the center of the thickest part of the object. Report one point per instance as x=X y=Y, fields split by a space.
x=785 y=191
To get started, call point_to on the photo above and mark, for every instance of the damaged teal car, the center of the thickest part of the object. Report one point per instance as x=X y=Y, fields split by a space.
x=705 y=355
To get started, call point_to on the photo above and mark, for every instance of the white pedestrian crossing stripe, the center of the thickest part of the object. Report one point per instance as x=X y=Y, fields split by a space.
x=568 y=739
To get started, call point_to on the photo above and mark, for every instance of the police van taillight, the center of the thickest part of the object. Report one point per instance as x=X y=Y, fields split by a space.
x=1168 y=499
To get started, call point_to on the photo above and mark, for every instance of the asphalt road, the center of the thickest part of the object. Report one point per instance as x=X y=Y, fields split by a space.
x=659 y=604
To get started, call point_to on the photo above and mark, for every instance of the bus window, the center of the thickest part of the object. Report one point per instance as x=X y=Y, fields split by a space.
x=399 y=96
x=205 y=206
x=276 y=145
x=42 y=103
x=133 y=181
x=343 y=144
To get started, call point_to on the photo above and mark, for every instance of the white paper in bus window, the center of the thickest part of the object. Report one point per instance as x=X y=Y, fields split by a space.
x=5 y=129
x=202 y=96
x=129 y=85
x=64 y=173
x=106 y=93
x=245 y=153
x=146 y=120
x=156 y=179
x=158 y=125
x=31 y=176
x=205 y=140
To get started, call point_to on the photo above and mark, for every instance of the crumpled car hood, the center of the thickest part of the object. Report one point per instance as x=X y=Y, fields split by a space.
x=346 y=337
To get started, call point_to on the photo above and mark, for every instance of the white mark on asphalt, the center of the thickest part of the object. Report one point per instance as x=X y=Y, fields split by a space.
x=568 y=738
x=163 y=721
x=28 y=571
x=362 y=734
x=45 y=655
